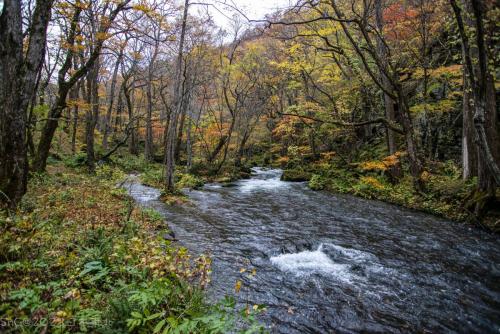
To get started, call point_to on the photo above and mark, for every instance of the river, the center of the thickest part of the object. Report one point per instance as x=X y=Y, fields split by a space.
x=329 y=263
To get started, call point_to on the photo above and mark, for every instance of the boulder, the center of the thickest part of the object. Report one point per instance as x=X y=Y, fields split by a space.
x=295 y=175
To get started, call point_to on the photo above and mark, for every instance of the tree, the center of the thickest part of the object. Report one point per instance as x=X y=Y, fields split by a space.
x=382 y=50
x=483 y=100
x=107 y=120
x=172 y=126
x=18 y=77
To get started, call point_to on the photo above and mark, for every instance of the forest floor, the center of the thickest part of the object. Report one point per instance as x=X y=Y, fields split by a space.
x=79 y=256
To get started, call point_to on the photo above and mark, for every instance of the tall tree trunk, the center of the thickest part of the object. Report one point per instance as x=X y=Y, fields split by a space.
x=119 y=110
x=92 y=114
x=190 y=140
x=64 y=85
x=171 y=135
x=178 y=144
x=416 y=167
x=486 y=179
x=388 y=101
x=226 y=143
x=484 y=118
x=49 y=129
x=107 y=120
x=395 y=172
x=76 y=110
x=13 y=162
x=241 y=149
x=469 y=151
x=132 y=143
x=148 y=143
x=189 y=146
x=218 y=148
x=30 y=127
x=18 y=76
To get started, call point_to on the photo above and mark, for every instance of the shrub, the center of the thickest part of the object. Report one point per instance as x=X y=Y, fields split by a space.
x=152 y=177
x=107 y=172
x=190 y=181
x=132 y=163
x=76 y=160
x=369 y=187
x=317 y=182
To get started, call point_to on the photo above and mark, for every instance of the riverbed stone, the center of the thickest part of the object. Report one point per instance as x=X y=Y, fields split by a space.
x=295 y=175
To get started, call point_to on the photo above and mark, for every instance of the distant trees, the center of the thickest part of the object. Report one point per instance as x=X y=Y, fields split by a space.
x=364 y=31
x=66 y=79
x=321 y=79
x=394 y=44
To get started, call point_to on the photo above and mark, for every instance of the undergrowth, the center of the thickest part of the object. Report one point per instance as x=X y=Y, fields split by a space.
x=79 y=257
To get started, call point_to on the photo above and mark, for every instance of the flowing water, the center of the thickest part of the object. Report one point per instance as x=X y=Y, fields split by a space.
x=330 y=263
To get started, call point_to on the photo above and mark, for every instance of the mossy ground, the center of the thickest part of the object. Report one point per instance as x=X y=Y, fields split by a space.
x=79 y=256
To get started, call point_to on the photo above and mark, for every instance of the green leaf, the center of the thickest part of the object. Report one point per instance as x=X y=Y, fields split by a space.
x=172 y=321
x=154 y=316
x=159 y=326
x=91 y=266
x=136 y=315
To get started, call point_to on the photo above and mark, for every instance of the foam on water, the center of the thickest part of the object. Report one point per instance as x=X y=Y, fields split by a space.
x=305 y=262
x=252 y=185
x=310 y=262
x=327 y=259
x=349 y=253
x=264 y=179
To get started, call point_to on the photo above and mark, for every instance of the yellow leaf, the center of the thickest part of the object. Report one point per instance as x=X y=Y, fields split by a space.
x=237 y=286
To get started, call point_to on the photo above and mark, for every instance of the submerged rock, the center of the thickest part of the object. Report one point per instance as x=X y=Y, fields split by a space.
x=170 y=236
x=229 y=184
x=245 y=175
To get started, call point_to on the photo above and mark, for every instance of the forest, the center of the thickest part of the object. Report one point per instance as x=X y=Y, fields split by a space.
x=363 y=101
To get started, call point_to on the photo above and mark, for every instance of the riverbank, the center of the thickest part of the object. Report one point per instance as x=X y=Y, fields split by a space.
x=80 y=256
x=446 y=194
